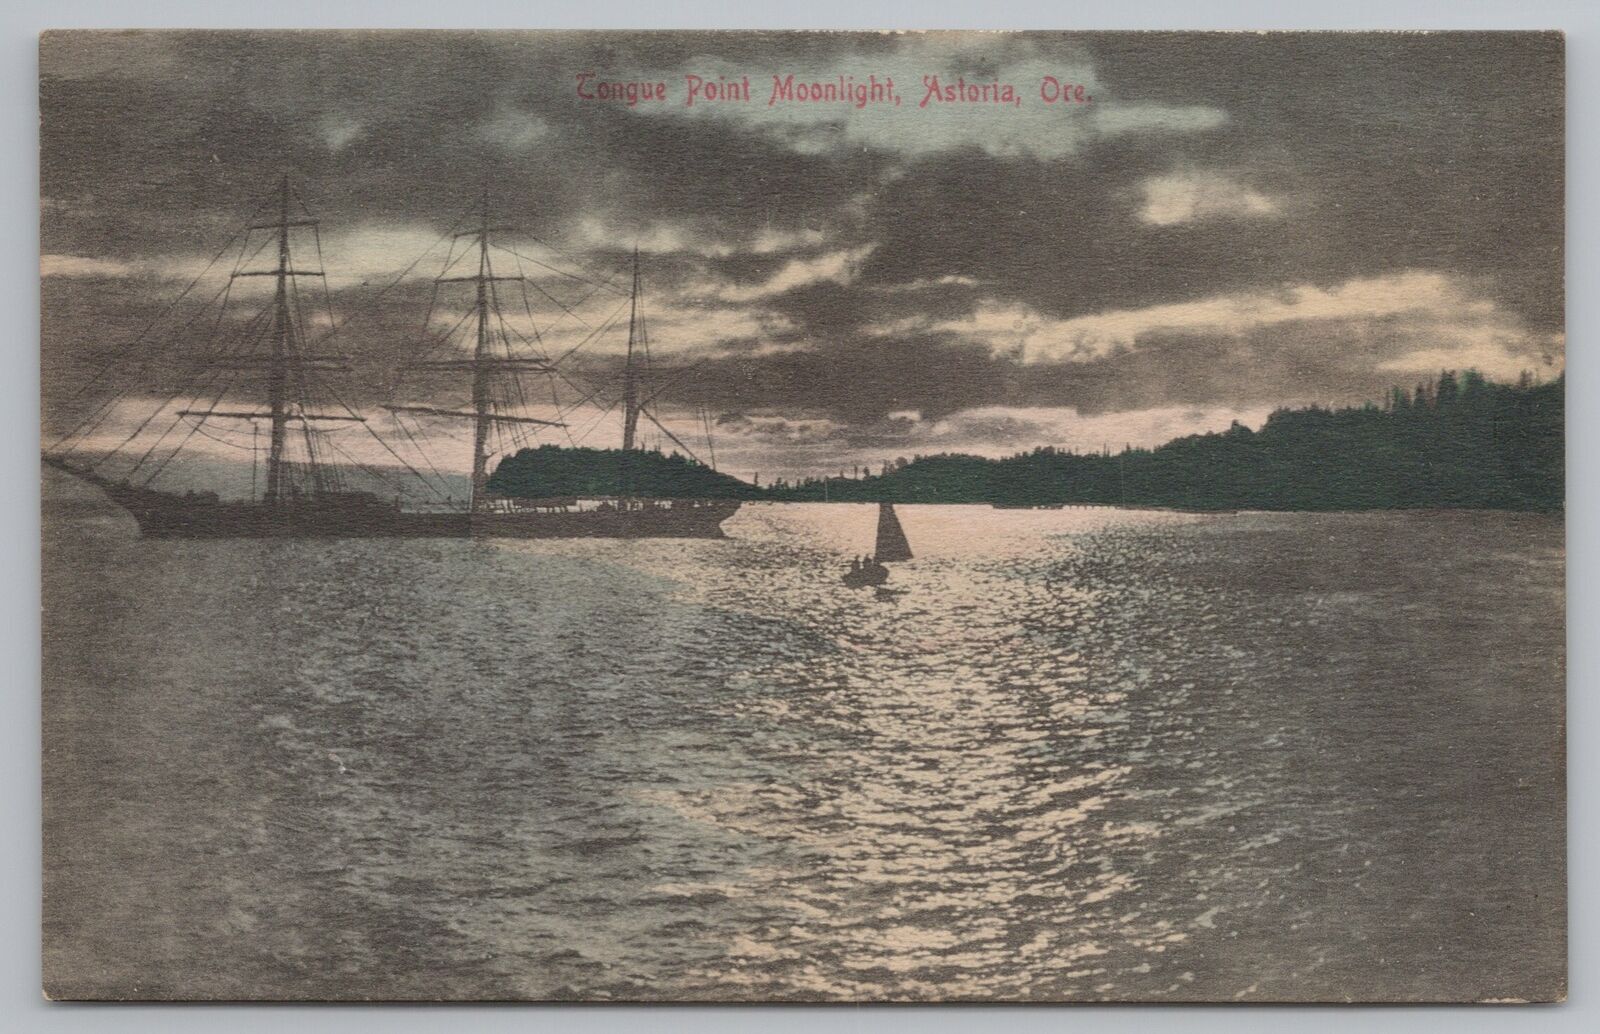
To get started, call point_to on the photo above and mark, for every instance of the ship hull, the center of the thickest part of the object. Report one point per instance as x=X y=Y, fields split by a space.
x=361 y=515
x=861 y=578
x=703 y=522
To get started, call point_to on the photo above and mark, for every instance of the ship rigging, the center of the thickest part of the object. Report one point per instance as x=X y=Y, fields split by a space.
x=307 y=489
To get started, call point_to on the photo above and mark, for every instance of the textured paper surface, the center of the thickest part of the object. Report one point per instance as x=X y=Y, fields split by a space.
x=771 y=517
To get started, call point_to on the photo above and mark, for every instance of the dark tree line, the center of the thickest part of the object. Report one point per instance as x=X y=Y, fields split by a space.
x=1458 y=442
x=551 y=471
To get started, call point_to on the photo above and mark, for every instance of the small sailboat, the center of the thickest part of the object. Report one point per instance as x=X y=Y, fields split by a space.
x=891 y=546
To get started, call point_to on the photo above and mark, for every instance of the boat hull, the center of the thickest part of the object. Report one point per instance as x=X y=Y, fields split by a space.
x=363 y=515
x=861 y=578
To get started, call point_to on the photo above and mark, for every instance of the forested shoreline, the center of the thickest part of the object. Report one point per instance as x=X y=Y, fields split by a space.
x=1460 y=442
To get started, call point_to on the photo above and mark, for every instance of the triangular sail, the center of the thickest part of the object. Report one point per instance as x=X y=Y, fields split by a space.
x=892 y=544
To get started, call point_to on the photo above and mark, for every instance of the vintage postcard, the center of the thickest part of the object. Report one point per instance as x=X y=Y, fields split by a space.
x=1017 y=517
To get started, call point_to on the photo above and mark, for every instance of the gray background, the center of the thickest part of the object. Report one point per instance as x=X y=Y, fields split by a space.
x=21 y=1004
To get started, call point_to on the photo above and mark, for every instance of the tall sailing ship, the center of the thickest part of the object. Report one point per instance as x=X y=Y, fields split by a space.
x=309 y=496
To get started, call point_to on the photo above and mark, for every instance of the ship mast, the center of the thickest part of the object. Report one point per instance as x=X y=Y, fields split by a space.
x=483 y=365
x=284 y=357
x=283 y=362
x=278 y=369
x=633 y=405
x=630 y=383
x=480 y=372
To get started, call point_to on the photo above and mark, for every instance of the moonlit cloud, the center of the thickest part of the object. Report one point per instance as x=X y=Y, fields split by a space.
x=932 y=284
x=338 y=130
x=1001 y=430
x=380 y=251
x=167 y=269
x=517 y=132
x=1499 y=356
x=838 y=267
x=811 y=444
x=1426 y=314
x=83 y=266
x=1112 y=120
x=1187 y=197
x=663 y=236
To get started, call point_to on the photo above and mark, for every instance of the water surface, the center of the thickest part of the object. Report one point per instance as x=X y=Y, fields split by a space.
x=1086 y=754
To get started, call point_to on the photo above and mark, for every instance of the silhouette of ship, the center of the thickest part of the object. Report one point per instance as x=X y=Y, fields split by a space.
x=891 y=546
x=309 y=496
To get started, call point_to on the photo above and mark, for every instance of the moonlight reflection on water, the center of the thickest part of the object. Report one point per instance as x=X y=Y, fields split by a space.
x=1086 y=754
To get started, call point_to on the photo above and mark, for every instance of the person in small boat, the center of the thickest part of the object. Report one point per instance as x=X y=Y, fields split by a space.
x=855 y=564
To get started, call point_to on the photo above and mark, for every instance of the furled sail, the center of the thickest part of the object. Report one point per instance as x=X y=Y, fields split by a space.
x=892 y=544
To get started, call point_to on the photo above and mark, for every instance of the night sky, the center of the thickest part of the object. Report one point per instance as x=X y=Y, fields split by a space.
x=1230 y=224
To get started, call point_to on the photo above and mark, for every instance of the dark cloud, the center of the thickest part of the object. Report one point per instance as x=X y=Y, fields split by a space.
x=828 y=269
